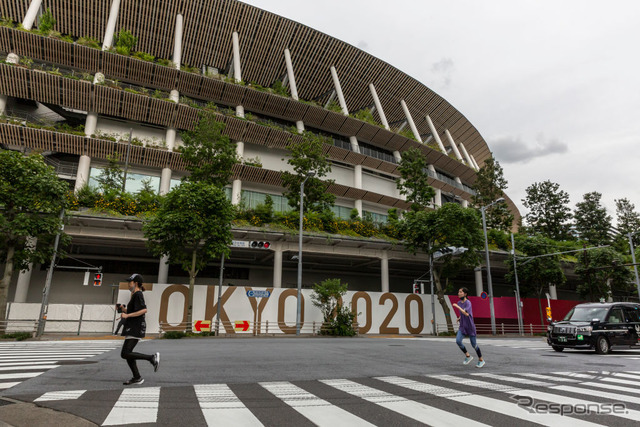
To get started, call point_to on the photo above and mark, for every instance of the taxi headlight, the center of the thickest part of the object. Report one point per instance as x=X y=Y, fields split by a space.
x=585 y=329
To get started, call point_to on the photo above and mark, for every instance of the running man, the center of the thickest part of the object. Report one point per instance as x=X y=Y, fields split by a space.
x=467 y=327
x=134 y=330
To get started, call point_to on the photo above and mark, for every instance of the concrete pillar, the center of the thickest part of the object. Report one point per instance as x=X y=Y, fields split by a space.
x=412 y=125
x=170 y=138
x=177 y=43
x=376 y=101
x=466 y=156
x=240 y=111
x=300 y=126
x=553 y=291
x=435 y=135
x=290 y=74
x=453 y=144
x=384 y=272
x=237 y=72
x=240 y=149
x=82 y=176
x=91 y=123
x=397 y=156
x=437 y=199
x=236 y=192
x=165 y=181
x=163 y=270
x=277 y=266
x=336 y=84
x=355 y=147
x=478 y=274
x=3 y=103
x=432 y=170
x=24 y=277
x=475 y=164
x=357 y=205
x=465 y=203
x=111 y=25
x=174 y=95
x=32 y=14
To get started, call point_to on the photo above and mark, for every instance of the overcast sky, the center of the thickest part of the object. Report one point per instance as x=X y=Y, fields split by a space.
x=553 y=86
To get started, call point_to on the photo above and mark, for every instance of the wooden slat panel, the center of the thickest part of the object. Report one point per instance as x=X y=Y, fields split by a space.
x=372 y=197
x=141 y=72
x=27 y=44
x=189 y=83
x=295 y=110
x=161 y=112
x=367 y=132
x=186 y=117
x=255 y=133
x=107 y=100
x=45 y=87
x=11 y=134
x=388 y=167
x=6 y=36
x=371 y=163
x=351 y=126
x=134 y=106
x=315 y=115
x=212 y=88
x=14 y=81
x=232 y=94
x=86 y=58
x=58 y=52
x=234 y=127
x=334 y=121
x=39 y=139
x=115 y=66
x=278 y=139
x=154 y=157
x=254 y=100
x=164 y=77
x=72 y=144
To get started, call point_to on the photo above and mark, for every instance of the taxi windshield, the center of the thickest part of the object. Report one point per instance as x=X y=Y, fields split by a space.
x=586 y=314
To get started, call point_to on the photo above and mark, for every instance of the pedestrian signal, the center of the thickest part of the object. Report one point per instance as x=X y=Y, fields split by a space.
x=260 y=245
x=97 y=279
x=416 y=288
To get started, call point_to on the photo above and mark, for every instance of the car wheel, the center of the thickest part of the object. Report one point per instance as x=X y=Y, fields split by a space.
x=557 y=348
x=602 y=345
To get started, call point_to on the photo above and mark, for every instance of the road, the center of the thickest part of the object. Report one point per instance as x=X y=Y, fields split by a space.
x=328 y=381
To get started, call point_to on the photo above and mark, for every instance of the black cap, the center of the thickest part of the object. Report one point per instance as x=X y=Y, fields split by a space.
x=135 y=277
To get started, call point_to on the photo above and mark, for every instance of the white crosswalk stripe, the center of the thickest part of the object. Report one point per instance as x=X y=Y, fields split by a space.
x=20 y=361
x=457 y=405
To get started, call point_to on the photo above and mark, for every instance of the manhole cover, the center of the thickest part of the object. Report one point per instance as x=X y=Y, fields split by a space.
x=76 y=362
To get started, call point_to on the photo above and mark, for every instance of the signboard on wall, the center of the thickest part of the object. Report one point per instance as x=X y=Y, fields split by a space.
x=378 y=312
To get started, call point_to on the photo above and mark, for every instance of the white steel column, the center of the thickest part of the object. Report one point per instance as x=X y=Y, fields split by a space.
x=292 y=85
x=111 y=25
x=437 y=199
x=553 y=291
x=475 y=164
x=32 y=14
x=236 y=192
x=336 y=84
x=412 y=125
x=355 y=147
x=435 y=135
x=24 y=277
x=466 y=156
x=82 y=176
x=453 y=144
x=376 y=101
x=163 y=270
x=177 y=42
x=384 y=272
x=478 y=274
x=277 y=265
x=237 y=72
x=397 y=156
x=165 y=181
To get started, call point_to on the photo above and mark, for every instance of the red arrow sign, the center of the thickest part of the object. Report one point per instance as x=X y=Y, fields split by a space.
x=202 y=325
x=242 y=326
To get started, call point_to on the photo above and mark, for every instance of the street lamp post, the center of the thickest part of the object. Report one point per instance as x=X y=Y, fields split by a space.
x=486 y=252
x=633 y=259
x=515 y=271
x=299 y=297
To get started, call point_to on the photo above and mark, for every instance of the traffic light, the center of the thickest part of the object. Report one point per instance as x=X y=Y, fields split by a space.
x=97 y=279
x=416 y=287
x=259 y=245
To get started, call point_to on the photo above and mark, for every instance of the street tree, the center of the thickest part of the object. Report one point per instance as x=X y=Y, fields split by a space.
x=31 y=200
x=111 y=178
x=628 y=220
x=489 y=186
x=192 y=227
x=603 y=274
x=414 y=179
x=536 y=274
x=305 y=157
x=438 y=230
x=549 y=213
x=209 y=154
x=337 y=319
x=591 y=220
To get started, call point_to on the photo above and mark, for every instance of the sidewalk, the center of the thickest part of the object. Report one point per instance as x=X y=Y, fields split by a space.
x=14 y=413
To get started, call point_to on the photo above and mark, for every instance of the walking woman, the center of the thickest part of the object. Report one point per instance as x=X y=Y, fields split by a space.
x=467 y=328
x=134 y=330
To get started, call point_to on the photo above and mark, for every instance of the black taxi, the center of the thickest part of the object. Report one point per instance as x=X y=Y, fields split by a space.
x=597 y=325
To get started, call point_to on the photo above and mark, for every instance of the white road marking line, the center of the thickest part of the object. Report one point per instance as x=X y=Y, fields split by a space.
x=549 y=378
x=20 y=375
x=135 y=406
x=60 y=395
x=512 y=380
x=318 y=411
x=600 y=377
x=7 y=385
x=412 y=409
x=615 y=397
x=20 y=368
x=220 y=406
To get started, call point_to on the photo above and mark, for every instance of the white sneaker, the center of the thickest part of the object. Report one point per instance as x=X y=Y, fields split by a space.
x=467 y=360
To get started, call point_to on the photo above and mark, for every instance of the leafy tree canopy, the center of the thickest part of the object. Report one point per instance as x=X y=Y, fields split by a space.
x=549 y=213
x=592 y=222
x=414 y=179
x=489 y=186
x=603 y=274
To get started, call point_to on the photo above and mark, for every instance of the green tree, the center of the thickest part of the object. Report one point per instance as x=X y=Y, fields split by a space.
x=337 y=319
x=31 y=199
x=438 y=230
x=489 y=186
x=603 y=274
x=208 y=153
x=535 y=275
x=628 y=220
x=591 y=220
x=549 y=213
x=46 y=23
x=192 y=227
x=414 y=179
x=111 y=178
x=306 y=157
x=125 y=41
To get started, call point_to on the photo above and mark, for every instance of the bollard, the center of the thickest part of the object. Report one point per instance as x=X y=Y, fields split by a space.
x=266 y=327
x=502 y=327
x=531 y=328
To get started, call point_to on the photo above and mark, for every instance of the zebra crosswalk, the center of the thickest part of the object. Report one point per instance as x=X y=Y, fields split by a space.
x=20 y=361
x=588 y=398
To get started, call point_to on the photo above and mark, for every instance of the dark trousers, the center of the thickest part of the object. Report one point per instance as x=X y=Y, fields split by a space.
x=131 y=357
x=120 y=325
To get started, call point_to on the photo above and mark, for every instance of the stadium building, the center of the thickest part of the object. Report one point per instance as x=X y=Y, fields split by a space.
x=238 y=57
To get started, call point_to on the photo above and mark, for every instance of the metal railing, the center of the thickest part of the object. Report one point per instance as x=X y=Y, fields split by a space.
x=501 y=329
x=265 y=327
x=13 y=326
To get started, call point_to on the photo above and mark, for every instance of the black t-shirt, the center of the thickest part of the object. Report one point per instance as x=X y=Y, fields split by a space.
x=135 y=326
